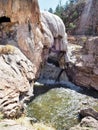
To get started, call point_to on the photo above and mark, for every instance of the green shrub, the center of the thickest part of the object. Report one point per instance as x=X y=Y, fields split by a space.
x=72 y=26
x=75 y=14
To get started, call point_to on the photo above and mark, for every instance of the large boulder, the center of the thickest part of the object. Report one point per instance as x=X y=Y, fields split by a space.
x=17 y=75
x=89 y=112
x=82 y=61
x=87 y=123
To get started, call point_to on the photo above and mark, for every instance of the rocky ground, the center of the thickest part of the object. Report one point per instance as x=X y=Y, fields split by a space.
x=87 y=123
x=23 y=123
x=90 y=120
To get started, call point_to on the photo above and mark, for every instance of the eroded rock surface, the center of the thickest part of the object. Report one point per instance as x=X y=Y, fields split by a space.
x=82 y=59
x=17 y=76
x=20 y=11
x=22 y=25
x=55 y=32
x=55 y=38
x=19 y=26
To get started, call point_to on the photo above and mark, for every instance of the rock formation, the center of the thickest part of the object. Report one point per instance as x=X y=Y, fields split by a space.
x=55 y=39
x=17 y=76
x=23 y=27
x=20 y=11
x=82 y=59
x=87 y=123
x=89 y=112
x=54 y=27
x=19 y=26
x=81 y=17
x=88 y=23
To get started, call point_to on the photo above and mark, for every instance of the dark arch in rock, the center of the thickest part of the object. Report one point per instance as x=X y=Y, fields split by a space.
x=4 y=19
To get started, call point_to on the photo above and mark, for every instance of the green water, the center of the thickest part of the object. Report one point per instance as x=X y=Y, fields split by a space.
x=59 y=107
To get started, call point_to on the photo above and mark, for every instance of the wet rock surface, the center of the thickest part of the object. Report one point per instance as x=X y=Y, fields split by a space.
x=51 y=72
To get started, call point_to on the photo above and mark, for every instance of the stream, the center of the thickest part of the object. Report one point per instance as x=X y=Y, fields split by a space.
x=58 y=105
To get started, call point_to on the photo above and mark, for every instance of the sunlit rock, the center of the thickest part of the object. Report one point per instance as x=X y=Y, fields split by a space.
x=82 y=59
x=17 y=76
x=22 y=26
x=56 y=28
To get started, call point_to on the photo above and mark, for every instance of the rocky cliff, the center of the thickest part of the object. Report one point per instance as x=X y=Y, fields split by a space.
x=20 y=11
x=82 y=56
x=88 y=22
x=20 y=27
x=81 y=18
x=26 y=37
x=82 y=59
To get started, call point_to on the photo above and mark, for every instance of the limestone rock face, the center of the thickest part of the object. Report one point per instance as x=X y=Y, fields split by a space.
x=55 y=38
x=83 y=62
x=19 y=26
x=17 y=76
x=82 y=18
x=20 y=11
x=55 y=30
x=22 y=26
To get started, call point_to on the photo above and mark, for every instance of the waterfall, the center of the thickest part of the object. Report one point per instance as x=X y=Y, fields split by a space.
x=85 y=17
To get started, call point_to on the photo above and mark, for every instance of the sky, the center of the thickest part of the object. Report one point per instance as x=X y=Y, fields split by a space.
x=46 y=4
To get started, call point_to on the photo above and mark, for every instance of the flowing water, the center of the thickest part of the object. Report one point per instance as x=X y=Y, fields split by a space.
x=59 y=107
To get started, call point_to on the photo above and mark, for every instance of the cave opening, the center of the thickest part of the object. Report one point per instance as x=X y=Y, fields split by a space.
x=4 y=19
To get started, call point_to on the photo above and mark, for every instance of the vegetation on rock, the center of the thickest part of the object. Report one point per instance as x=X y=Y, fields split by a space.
x=72 y=12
